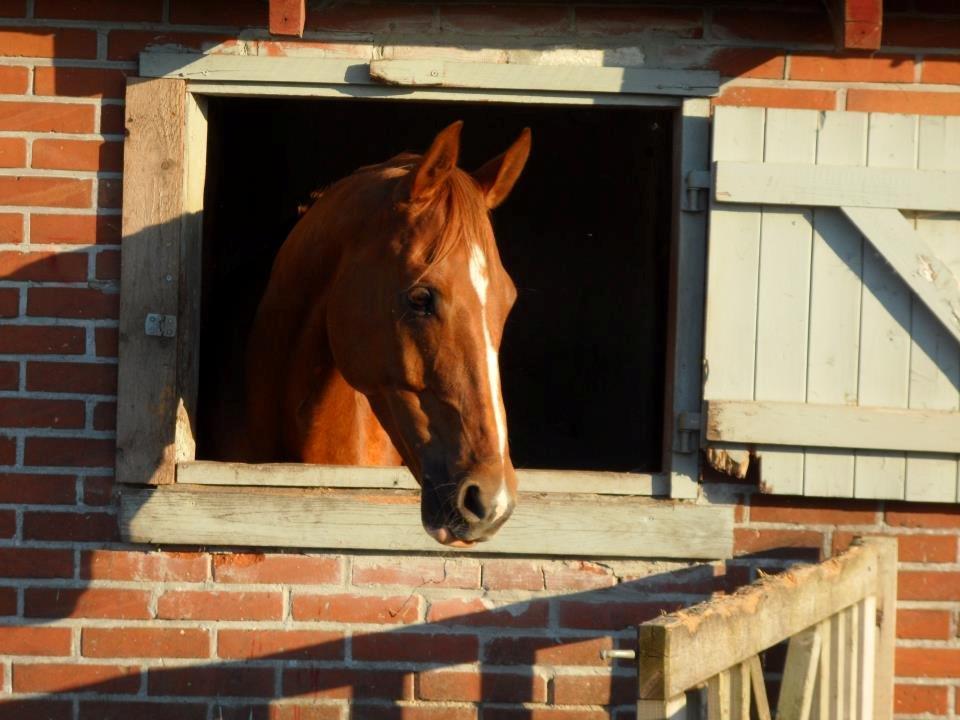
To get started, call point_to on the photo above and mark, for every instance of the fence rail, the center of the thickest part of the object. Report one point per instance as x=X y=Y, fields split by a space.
x=839 y=618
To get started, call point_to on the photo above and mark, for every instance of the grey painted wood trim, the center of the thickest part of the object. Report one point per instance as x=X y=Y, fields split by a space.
x=429 y=73
x=840 y=426
x=203 y=472
x=836 y=185
x=544 y=525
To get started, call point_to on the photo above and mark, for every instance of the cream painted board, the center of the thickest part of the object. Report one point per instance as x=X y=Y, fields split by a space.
x=782 y=183
x=429 y=73
x=390 y=520
x=839 y=426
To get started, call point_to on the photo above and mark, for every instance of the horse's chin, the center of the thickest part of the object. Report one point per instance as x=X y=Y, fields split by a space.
x=445 y=537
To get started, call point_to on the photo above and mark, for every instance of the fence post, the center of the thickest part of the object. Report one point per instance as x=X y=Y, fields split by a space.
x=886 y=549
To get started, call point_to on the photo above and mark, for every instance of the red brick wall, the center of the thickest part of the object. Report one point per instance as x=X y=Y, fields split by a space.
x=92 y=629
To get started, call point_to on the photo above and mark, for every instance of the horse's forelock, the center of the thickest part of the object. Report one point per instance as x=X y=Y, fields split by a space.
x=465 y=218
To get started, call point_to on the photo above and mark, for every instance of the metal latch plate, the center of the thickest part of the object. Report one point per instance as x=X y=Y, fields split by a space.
x=157 y=325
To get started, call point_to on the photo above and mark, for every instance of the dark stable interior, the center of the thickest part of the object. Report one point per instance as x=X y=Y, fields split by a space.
x=585 y=236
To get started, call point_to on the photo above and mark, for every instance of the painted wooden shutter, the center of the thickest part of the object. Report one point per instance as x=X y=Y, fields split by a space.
x=832 y=318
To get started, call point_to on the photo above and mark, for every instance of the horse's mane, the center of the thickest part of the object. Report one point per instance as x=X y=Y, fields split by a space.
x=464 y=213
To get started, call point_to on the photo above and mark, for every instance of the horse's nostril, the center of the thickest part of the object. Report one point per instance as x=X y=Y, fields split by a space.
x=472 y=502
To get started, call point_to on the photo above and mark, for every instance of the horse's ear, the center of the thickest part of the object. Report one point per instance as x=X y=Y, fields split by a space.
x=497 y=177
x=437 y=162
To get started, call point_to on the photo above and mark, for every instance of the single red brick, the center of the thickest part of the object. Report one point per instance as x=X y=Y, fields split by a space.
x=852 y=69
x=577 y=575
x=919 y=699
x=811 y=511
x=98 y=491
x=43 y=266
x=78 y=155
x=72 y=303
x=610 y=614
x=110 y=10
x=898 y=101
x=215 y=605
x=87 y=603
x=340 y=683
x=748 y=63
x=128 y=44
x=411 y=647
x=9 y=375
x=108 y=265
x=13 y=8
x=105 y=416
x=46 y=117
x=512 y=575
x=288 y=569
x=927 y=585
x=139 y=566
x=772 y=27
x=112 y=120
x=488 y=687
x=778 y=97
x=106 y=341
x=13 y=153
x=48 y=42
x=521 y=650
x=81 y=527
x=42 y=339
x=474 y=612
x=113 y=710
x=75 y=229
x=120 y=679
x=80 y=82
x=35 y=563
x=941 y=70
x=414 y=572
x=94 y=378
x=229 y=13
x=280 y=644
x=70 y=452
x=145 y=642
x=110 y=195
x=923 y=515
x=608 y=21
x=380 y=610
x=594 y=689
x=927 y=662
x=552 y=713
x=372 y=18
x=207 y=681
x=27 y=412
x=35 y=640
x=9 y=302
x=37 y=489
x=8 y=451
x=8 y=601
x=11 y=228
x=927 y=548
x=777 y=543
x=923 y=624
x=14 y=80
x=923 y=32
x=8 y=524
x=289 y=711
x=45 y=191
x=504 y=19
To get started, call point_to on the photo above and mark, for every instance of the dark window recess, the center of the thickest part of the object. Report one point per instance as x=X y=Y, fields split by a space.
x=585 y=236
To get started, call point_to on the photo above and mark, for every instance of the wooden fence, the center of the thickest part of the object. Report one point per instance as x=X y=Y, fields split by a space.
x=839 y=617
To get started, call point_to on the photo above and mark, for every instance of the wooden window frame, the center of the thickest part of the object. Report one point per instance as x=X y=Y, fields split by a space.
x=202 y=502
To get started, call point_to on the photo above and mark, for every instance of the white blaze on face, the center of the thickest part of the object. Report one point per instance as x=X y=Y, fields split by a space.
x=481 y=282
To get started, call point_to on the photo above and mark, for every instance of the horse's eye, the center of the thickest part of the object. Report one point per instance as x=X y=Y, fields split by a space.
x=420 y=300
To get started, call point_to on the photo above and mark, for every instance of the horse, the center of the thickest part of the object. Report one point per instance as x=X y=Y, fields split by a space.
x=376 y=341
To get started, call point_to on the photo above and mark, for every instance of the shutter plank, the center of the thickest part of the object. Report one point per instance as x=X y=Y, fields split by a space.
x=835 y=294
x=153 y=178
x=783 y=291
x=935 y=356
x=884 y=321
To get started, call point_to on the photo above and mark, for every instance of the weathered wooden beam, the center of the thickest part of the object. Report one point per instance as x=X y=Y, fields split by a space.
x=846 y=426
x=390 y=520
x=681 y=650
x=918 y=266
x=287 y=17
x=836 y=185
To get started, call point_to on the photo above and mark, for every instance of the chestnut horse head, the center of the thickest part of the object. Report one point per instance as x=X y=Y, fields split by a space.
x=403 y=301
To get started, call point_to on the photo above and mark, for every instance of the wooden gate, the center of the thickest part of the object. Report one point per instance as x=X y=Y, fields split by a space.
x=839 y=617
